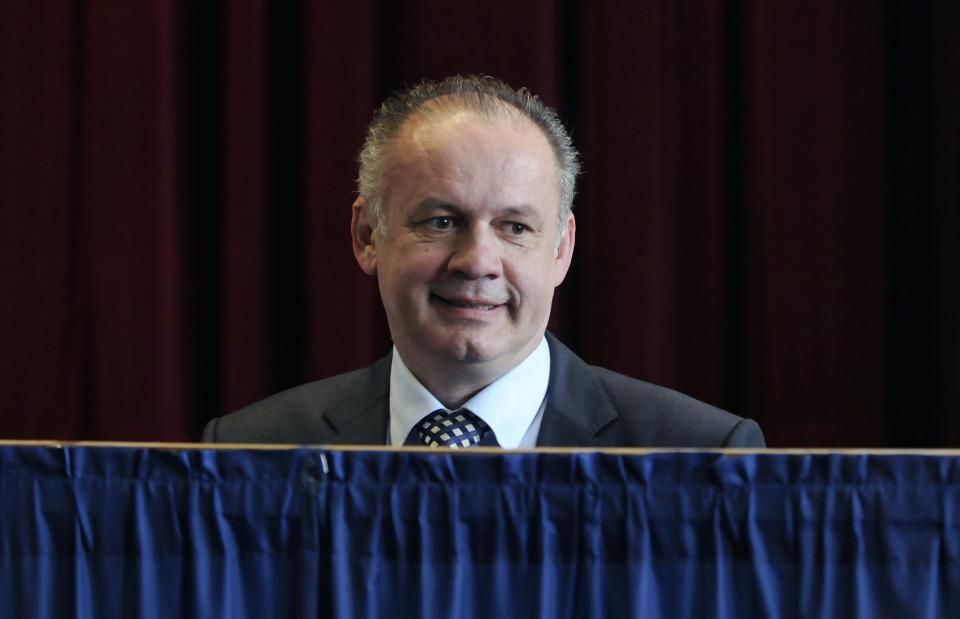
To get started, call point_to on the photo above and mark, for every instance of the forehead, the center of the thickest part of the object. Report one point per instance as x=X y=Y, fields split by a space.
x=467 y=156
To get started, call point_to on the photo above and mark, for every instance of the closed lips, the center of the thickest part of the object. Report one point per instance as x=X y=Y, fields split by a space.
x=467 y=303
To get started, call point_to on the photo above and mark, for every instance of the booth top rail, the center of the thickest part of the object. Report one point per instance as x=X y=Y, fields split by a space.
x=777 y=451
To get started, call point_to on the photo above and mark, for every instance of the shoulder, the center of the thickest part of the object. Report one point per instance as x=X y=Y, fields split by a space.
x=662 y=417
x=669 y=418
x=296 y=415
x=620 y=411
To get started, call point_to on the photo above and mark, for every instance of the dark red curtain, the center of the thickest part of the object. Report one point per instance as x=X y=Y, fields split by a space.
x=768 y=218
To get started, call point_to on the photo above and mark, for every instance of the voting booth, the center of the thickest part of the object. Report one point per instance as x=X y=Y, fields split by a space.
x=153 y=530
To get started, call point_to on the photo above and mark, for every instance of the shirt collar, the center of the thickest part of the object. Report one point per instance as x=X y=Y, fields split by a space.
x=508 y=405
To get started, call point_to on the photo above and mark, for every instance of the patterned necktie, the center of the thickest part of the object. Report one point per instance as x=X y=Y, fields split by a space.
x=456 y=429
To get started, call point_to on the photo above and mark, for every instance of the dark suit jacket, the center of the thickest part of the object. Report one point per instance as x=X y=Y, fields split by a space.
x=586 y=406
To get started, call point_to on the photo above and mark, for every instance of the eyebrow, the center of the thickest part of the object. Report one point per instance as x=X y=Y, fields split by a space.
x=525 y=210
x=430 y=204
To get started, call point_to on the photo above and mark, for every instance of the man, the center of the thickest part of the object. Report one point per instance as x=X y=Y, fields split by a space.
x=464 y=217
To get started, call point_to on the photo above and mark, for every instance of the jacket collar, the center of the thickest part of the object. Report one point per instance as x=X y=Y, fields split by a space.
x=361 y=415
x=578 y=406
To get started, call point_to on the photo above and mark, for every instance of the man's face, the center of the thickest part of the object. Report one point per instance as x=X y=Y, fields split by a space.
x=468 y=259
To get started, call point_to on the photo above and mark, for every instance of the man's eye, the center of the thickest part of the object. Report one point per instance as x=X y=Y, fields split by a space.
x=441 y=223
x=517 y=229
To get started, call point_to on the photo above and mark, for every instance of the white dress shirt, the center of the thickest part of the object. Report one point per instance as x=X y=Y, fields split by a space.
x=512 y=405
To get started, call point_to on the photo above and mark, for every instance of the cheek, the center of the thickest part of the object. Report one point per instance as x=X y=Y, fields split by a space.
x=423 y=263
x=534 y=279
x=407 y=273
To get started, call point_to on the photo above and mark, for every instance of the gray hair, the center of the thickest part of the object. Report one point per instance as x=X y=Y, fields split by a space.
x=482 y=94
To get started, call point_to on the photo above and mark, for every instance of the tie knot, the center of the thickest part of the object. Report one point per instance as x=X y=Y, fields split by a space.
x=455 y=429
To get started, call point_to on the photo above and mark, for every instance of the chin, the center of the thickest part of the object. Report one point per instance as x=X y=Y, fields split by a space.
x=466 y=350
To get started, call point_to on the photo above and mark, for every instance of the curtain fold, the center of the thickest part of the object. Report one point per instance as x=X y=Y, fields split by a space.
x=767 y=219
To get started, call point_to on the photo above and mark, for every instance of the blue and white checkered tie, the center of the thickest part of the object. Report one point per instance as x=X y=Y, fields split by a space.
x=456 y=429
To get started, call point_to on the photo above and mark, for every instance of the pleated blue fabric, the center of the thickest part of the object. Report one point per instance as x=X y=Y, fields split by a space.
x=138 y=532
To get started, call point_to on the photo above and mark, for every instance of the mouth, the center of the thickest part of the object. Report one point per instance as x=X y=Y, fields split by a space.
x=469 y=304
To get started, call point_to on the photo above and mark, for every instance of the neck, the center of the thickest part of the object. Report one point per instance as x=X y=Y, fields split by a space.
x=453 y=382
x=453 y=386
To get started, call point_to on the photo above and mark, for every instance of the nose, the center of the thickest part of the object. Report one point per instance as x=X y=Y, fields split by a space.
x=476 y=255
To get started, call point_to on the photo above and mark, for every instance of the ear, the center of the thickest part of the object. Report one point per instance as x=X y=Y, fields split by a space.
x=361 y=231
x=564 y=253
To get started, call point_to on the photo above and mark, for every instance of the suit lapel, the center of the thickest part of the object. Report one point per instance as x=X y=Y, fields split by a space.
x=577 y=406
x=361 y=415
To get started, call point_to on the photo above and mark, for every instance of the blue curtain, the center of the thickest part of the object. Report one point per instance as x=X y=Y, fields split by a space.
x=124 y=532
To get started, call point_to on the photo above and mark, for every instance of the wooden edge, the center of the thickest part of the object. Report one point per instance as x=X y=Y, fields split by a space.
x=859 y=451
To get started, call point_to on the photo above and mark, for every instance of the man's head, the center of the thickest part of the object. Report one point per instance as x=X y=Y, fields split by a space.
x=463 y=215
x=483 y=95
